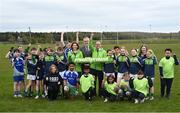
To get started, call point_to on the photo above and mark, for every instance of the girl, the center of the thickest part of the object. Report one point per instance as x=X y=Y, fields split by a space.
x=75 y=53
x=52 y=82
x=110 y=89
x=123 y=64
x=109 y=66
x=143 y=51
x=135 y=63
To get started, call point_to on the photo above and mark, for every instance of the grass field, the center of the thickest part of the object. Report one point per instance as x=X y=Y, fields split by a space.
x=10 y=104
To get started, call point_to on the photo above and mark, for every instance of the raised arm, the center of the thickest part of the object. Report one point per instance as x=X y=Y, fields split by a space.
x=62 y=39
x=77 y=37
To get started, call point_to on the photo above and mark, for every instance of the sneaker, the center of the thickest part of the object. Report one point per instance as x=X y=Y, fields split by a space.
x=43 y=96
x=26 y=94
x=105 y=100
x=151 y=98
x=37 y=96
x=90 y=99
x=19 y=95
x=147 y=98
x=136 y=101
x=142 y=101
x=15 y=96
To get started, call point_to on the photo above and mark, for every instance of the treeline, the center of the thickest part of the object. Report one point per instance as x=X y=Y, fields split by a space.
x=52 y=37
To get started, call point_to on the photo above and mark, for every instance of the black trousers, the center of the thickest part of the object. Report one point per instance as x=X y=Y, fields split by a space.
x=137 y=95
x=108 y=95
x=166 y=83
x=53 y=92
x=88 y=94
x=98 y=74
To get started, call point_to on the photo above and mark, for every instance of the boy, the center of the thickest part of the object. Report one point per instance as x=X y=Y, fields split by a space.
x=140 y=86
x=166 y=68
x=71 y=79
x=87 y=83
x=18 y=76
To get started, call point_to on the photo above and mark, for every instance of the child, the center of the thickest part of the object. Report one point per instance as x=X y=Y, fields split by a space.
x=124 y=88
x=31 y=67
x=61 y=61
x=87 y=83
x=71 y=81
x=110 y=89
x=135 y=63
x=52 y=82
x=149 y=64
x=49 y=59
x=109 y=66
x=18 y=76
x=166 y=68
x=123 y=64
x=140 y=87
x=40 y=74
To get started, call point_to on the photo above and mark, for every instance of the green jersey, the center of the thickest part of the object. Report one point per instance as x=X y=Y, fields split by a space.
x=168 y=67
x=71 y=58
x=110 y=88
x=141 y=85
x=86 y=81
x=100 y=53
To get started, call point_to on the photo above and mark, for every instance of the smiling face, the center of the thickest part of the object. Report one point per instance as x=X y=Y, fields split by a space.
x=86 y=41
x=168 y=53
x=143 y=50
x=123 y=51
x=110 y=79
x=98 y=45
x=133 y=52
x=110 y=53
x=74 y=47
x=148 y=54
x=71 y=67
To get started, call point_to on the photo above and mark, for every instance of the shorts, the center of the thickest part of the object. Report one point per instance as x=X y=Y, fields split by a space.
x=31 y=77
x=73 y=90
x=18 y=78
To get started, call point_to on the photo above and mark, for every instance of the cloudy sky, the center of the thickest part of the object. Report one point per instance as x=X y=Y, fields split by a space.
x=91 y=15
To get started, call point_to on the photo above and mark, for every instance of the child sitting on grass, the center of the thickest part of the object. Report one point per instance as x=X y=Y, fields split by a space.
x=110 y=89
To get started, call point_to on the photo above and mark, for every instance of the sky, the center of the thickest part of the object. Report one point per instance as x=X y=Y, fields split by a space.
x=90 y=15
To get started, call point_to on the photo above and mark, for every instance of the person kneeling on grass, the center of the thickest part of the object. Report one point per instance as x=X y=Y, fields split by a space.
x=87 y=83
x=124 y=88
x=140 y=86
x=110 y=89
x=71 y=79
x=52 y=81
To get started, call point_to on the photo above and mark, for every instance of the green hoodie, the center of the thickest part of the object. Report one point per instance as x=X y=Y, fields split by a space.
x=71 y=58
x=101 y=53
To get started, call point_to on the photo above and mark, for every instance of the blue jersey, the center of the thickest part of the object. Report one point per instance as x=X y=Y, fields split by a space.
x=123 y=64
x=71 y=77
x=32 y=66
x=135 y=65
x=18 y=65
x=66 y=50
x=149 y=66
x=61 y=62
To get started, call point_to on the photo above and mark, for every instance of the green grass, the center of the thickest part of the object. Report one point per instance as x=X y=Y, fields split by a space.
x=9 y=104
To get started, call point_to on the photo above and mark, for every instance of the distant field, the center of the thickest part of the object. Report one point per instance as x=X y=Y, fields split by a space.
x=9 y=104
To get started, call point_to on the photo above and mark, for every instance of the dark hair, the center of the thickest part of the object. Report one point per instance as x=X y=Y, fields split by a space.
x=73 y=44
x=33 y=49
x=60 y=49
x=110 y=76
x=168 y=49
x=116 y=47
x=71 y=63
x=109 y=50
x=16 y=50
x=140 y=72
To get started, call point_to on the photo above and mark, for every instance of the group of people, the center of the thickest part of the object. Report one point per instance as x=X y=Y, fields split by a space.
x=52 y=73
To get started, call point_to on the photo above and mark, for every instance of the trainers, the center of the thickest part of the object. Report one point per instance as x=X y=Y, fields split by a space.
x=147 y=98
x=151 y=98
x=26 y=94
x=142 y=101
x=136 y=101
x=105 y=100
x=15 y=96
x=37 y=96
x=19 y=95
x=43 y=96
